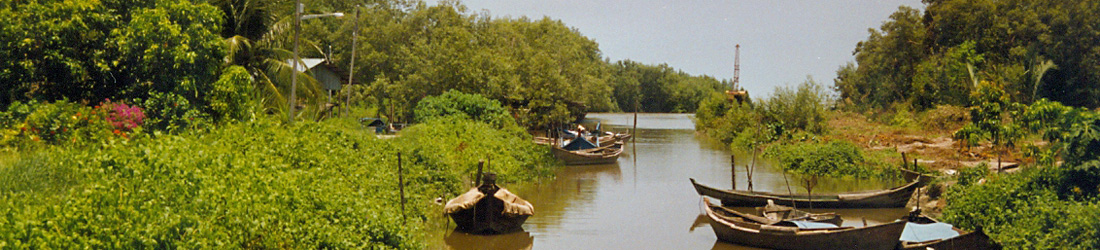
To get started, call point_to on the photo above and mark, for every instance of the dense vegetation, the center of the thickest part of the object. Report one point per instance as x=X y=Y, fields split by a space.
x=159 y=124
x=997 y=74
x=252 y=185
x=1003 y=59
x=1048 y=205
x=789 y=114
x=1032 y=49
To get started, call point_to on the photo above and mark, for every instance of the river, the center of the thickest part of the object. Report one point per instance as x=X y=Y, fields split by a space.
x=645 y=201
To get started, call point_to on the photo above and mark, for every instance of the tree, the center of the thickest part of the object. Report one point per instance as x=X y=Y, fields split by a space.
x=992 y=118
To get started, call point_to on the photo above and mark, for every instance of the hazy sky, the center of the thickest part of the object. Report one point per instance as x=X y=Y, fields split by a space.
x=782 y=42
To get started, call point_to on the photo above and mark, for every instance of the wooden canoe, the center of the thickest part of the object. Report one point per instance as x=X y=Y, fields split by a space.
x=497 y=211
x=964 y=240
x=733 y=227
x=894 y=197
x=606 y=154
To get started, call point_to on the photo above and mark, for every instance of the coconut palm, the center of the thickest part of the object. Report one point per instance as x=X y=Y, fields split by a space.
x=256 y=39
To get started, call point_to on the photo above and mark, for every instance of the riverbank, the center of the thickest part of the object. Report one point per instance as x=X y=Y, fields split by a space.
x=259 y=184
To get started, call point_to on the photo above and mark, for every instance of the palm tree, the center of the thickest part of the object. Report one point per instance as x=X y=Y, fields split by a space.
x=256 y=39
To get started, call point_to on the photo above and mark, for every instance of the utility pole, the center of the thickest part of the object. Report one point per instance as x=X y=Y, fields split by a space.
x=294 y=68
x=351 y=69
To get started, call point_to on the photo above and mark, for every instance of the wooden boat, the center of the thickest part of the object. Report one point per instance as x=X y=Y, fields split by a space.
x=732 y=226
x=910 y=175
x=604 y=140
x=922 y=232
x=580 y=151
x=776 y=213
x=488 y=209
x=606 y=154
x=894 y=197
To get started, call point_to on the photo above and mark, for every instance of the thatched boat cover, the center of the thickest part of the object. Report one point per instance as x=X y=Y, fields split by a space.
x=464 y=201
x=513 y=205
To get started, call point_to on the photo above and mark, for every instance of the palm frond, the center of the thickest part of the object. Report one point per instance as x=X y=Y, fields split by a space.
x=1039 y=71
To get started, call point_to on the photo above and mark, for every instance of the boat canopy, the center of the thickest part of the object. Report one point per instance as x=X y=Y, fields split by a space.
x=578 y=144
x=926 y=232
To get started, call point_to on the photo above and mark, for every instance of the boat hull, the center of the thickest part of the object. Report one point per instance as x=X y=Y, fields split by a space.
x=891 y=198
x=488 y=211
x=603 y=155
x=884 y=236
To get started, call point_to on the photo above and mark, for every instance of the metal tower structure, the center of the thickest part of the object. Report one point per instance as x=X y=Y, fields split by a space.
x=736 y=67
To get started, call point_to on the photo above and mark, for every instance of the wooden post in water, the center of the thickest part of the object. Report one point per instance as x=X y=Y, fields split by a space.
x=750 y=169
x=634 y=131
x=477 y=179
x=733 y=171
x=401 y=186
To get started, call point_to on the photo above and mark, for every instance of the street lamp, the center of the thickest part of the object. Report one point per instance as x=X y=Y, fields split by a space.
x=298 y=17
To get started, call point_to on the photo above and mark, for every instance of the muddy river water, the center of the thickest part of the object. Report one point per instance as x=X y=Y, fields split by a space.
x=645 y=201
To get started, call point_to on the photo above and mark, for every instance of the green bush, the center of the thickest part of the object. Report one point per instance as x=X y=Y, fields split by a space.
x=32 y=124
x=945 y=117
x=229 y=97
x=972 y=175
x=835 y=158
x=1023 y=211
x=256 y=185
x=172 y=113
x=802 y=109
x=470 y=106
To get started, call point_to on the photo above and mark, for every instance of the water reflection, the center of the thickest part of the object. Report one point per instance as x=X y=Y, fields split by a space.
x=645 y=200
x=461 y=241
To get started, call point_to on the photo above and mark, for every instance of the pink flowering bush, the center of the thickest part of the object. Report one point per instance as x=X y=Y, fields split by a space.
x=123 y=117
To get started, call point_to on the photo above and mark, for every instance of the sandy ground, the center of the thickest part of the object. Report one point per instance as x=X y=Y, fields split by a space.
x=933 y=149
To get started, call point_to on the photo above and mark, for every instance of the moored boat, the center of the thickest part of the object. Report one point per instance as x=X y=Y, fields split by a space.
x=922 y=232
x=580 y=152
x=488 y=209
x=894 y=197
x=603 y=155
x=734 y=227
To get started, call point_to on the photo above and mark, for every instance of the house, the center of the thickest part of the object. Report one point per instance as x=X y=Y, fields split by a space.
x=330 y=77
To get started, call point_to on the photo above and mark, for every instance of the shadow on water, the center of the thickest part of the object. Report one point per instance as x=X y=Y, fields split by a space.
x=644 y=200
x=463 y=241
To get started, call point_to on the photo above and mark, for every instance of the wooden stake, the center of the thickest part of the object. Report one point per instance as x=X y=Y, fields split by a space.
x=793 y=204
x=401 y=186
x=733 y=170
x=904 y=161
x=634 y=131
x=750 y=169
x=477 y=179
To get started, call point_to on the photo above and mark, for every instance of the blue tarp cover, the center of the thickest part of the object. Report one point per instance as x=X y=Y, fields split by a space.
x=811 y=225
x=925 y=232
x=578 y=144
